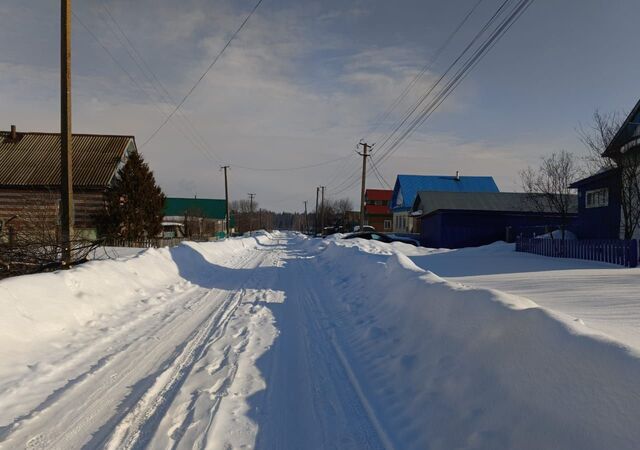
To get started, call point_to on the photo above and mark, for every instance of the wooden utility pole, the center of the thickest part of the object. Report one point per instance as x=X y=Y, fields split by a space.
x=66 y=168
x=251 y=213
x=322 y=209
x=315 y=231
x=364 y=155
x=226 y=200
x=306 y=220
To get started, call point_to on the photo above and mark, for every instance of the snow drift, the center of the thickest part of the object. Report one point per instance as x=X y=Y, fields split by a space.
x=433 y=364
x=456 y=367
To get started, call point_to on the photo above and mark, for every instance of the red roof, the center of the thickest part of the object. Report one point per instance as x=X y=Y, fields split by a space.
x=378 y=194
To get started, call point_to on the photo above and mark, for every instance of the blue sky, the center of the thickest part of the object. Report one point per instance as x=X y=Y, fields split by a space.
x=306 y=80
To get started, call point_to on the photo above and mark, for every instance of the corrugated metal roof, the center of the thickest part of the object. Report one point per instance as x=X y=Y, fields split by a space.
x=378 y=194
x=207 y=207
x=429 y=201
x=408 y=186
x=33 y=159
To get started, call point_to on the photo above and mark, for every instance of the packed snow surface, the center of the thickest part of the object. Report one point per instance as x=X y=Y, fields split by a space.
x=281 y=342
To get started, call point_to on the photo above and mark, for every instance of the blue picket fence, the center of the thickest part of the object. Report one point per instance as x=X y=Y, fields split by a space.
x=624 y=253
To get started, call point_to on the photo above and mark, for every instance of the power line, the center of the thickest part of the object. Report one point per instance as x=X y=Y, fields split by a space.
x=280 y=169
x=450 y=86
x=426 y=68
x=155 y=83
x=460 y=75
x=378 y=174
x=215 y=60
x=138 y=86
x=190 y=131
x=425 y=95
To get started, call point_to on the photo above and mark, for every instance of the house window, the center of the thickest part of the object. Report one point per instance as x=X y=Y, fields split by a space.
x=597 y=198
x=387 y=224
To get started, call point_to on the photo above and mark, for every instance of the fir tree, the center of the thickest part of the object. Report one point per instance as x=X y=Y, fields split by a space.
x=134 y=202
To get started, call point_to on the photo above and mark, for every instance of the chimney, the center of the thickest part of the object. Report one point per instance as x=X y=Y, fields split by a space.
x=14 y=134
x=457 y=178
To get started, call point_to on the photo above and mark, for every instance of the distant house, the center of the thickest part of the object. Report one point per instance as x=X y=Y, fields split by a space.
x=469 y=219
x=377 y=209
x=200 y=217
x=600 y=212
x=407 y=187
x=30 y=176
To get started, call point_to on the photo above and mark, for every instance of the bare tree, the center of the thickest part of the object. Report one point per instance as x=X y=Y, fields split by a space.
x=548 y=185
x=596 y=139
x=629 y=166
x=241 y=210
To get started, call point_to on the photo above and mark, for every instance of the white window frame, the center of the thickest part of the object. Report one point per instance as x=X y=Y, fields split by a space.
x=387 y=224
x=596 y=198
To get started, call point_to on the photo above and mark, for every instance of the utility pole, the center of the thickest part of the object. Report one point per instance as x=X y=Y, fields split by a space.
x=251 y=213
x=226 y=198
x=306 y=219
x=315 y=231
x=364 y=155
x=66 y=169
x=322 y=208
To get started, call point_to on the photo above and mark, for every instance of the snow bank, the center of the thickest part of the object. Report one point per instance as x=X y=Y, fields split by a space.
x=36 y=309
x=449 y=366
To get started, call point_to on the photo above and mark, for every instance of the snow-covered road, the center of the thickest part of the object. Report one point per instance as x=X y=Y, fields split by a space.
x=284 y=342
x=177 y=368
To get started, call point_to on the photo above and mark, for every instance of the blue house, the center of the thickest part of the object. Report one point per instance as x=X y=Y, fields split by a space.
x=407 y=187
x=470 y=219
x=602 y=204
x=599 y=206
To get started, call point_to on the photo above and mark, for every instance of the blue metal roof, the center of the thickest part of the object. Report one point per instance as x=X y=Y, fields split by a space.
x=408 y=186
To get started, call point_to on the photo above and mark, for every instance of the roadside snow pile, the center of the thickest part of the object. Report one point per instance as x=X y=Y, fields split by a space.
x=449 y=366
x=37 y=310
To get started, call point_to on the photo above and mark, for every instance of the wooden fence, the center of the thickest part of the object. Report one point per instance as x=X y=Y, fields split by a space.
x=621 y=252
x=143 y=243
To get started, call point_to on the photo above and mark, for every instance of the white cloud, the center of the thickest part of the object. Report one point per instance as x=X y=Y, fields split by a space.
x=260 y=106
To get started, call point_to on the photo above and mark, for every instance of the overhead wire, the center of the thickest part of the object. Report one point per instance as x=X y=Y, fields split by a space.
x=132 y=78
x=192 y=134
x=450 y=86
x=204 y=74
x=379 y=175
x=460 y=75
x=156 y=84
x=426 y=68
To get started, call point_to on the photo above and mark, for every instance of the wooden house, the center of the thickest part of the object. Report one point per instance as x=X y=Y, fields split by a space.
x=602 y=204
x=30 y=177
x=407 y=187
x=470 y=219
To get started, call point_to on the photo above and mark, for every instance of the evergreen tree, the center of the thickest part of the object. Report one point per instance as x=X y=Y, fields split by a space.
x=134 y=202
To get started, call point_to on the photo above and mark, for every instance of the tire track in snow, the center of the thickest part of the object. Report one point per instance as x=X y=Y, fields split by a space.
x=135 y=430
x=313 y=399
x=138 y=428
x=70 y=416
x=313 y=303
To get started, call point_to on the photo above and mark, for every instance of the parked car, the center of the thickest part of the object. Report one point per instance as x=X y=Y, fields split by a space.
x=328 y=231
x=381 y=237
x=364 y=228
